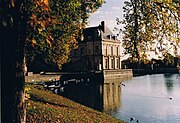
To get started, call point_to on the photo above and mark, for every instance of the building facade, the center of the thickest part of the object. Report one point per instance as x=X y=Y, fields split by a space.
x=99 y=50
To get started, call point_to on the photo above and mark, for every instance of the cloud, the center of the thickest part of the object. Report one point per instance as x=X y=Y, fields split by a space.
x=116 y=8
x=98 y=12
x=107 y=13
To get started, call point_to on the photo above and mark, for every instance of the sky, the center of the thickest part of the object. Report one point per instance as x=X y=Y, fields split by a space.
x=108 y=13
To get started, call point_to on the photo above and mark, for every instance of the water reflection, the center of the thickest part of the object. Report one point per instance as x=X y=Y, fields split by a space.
x=148 y=99
x=86 y=94
x=103 y=97
x=112 y=97
x=151 y=99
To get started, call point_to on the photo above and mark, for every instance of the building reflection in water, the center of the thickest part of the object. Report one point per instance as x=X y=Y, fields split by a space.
x=112 y=96
x=103 y=97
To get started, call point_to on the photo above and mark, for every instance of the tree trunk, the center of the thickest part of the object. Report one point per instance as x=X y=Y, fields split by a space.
x=13 y=34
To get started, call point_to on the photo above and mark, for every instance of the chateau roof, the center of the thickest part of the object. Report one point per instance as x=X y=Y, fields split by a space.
x=105 y=31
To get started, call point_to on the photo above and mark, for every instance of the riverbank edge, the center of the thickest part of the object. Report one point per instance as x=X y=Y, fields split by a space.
x=141 y=72
x=45 y=106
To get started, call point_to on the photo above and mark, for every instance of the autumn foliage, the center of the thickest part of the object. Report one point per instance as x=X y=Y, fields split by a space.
x=54 y=28
x=151 y=26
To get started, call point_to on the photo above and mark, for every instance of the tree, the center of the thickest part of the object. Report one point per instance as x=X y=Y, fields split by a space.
x=151 y=26
x=55 y=34
x=15 y=27
x=13 y=35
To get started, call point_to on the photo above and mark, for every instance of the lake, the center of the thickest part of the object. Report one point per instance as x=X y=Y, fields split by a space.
x=146 y=99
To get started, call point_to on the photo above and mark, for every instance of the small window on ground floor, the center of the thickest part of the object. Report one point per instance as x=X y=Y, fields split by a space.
x=106 y=63
x=117 y=63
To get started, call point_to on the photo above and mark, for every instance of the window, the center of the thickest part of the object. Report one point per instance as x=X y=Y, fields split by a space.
x=75 y=52
x=106 y=50
x=117 y=50
x=112 y=63
x=89 y=51
x=81 y=51
x=106 y=63
x=111 y=50
x=117 y=63
x=96 y=49
x=89 y=37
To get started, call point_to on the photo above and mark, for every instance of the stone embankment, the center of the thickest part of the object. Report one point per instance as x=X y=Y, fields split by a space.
x=121 y=74
x=140 y=72
x=42 y=78
x=105 y=75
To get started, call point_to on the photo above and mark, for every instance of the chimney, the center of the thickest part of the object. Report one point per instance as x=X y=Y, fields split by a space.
x=103 y=26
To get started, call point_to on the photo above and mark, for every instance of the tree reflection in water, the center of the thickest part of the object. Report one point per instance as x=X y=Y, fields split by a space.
x=169 y=82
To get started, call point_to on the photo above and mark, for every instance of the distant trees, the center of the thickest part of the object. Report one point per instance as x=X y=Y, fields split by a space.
x=50 y=29
x=151 y=26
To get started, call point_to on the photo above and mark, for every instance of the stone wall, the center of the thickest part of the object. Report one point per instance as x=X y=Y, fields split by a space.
x=41 y=78
x=121 y=74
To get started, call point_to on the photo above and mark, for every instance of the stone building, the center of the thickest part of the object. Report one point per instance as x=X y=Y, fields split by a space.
x=99 y=50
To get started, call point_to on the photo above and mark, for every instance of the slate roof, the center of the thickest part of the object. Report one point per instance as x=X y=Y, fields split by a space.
x=105 y=35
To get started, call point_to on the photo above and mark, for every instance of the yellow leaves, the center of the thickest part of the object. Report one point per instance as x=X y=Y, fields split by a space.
x=49 y=42
x=27 y=95
x=27 y=89
x=33 y=41
x=162 y=1
x=41 y=23
x=55 y=21
x=52 y=39
x=40 y=29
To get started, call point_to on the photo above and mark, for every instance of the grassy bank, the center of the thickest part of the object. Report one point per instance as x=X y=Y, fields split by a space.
x=46 y=107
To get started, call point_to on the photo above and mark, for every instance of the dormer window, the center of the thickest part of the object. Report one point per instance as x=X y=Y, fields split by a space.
x=109 y=36
x=114 y=37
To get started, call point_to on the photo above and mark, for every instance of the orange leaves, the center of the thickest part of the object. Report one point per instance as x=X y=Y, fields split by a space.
x=40 y=21
x=55 y=21
x=33 y=16
x=44 y=4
